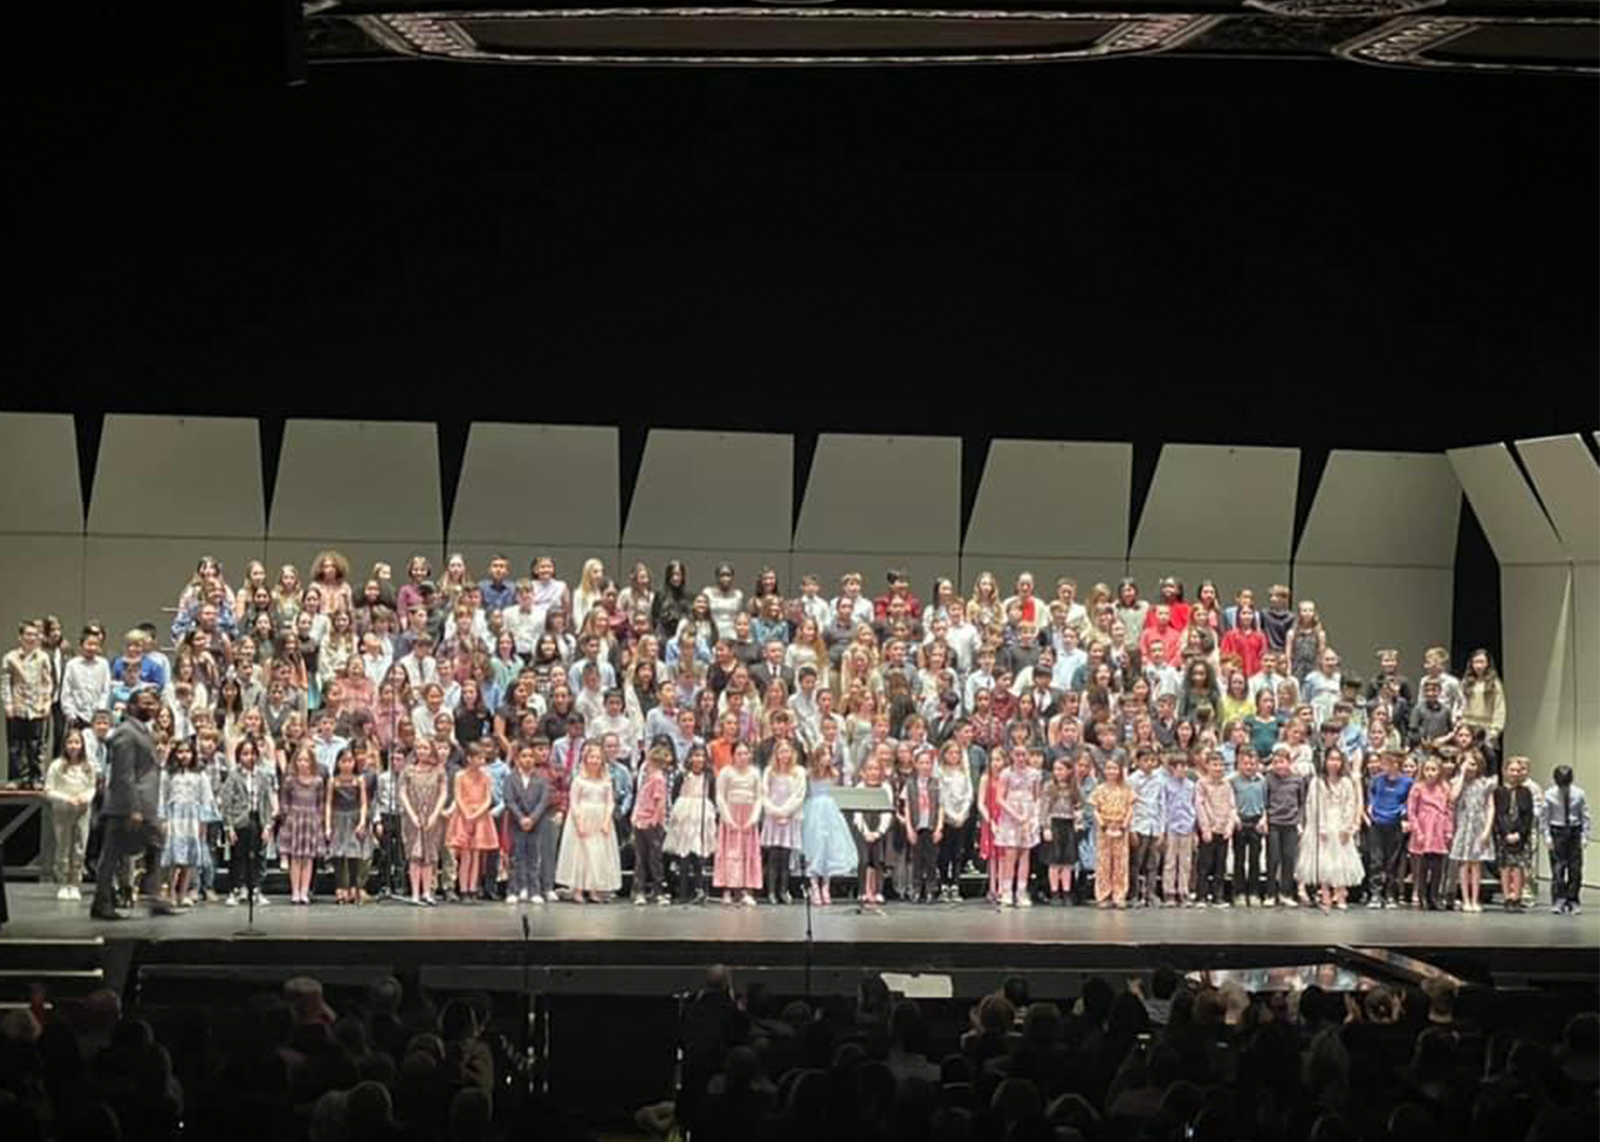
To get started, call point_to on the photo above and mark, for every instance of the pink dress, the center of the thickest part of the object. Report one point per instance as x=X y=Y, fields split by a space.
x=738 y=838
x=1018 y=826
x=472 y=792
x=1432 y=818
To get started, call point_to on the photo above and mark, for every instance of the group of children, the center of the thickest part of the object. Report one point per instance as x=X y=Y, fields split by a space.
x=525 y=741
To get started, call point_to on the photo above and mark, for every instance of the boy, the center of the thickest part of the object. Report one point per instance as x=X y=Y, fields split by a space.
x=1179 y=818
x=650 y=829
x=1385 y=814
x=1250 y=802
x=1146 y=825
x=923 y=821
x=1566 y=830
x=1286 y=805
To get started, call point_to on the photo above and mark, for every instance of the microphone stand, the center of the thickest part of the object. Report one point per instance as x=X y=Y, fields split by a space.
x=250 y=931
x=707 y=784
x=806 y=893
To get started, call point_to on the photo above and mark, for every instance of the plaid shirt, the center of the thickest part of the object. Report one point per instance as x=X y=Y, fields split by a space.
x=28 y=683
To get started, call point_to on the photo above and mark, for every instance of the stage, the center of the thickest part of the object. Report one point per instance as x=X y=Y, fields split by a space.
x=620 y=948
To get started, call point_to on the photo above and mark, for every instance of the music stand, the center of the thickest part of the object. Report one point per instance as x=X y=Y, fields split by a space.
x=864 y=799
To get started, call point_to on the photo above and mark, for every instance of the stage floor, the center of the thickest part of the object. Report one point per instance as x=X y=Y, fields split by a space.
x=970 y=935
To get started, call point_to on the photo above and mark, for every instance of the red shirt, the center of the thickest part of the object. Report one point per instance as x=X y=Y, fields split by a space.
x=1248 y=645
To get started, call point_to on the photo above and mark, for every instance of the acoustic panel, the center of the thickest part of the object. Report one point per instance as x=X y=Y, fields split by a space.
x=1046 y=499
x=1366 y=609
x=358 y=481
x=40 y=492
x=1568 y=483
x=713 y=492
x=1504 y=504
x=179 y=476
x=899 y=496
x=42 y=575
x=1586 y=652
x=529 y=484
x=1383 y=509
x=1216 y=503
x=129 y=580
x=1537 y=633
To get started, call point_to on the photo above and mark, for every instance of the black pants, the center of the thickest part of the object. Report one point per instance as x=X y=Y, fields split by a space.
x=1247 y=859
x=24 y=740
x=776 y=873
x=691 y=876
x=392 y=855
x=1213 y=865
x=951 y=849
x=346 y=872
x=244 y=869
x=1388 y=853
x=1427 y=870
x=489 y=874
x=124 y=840
x=925 y=865
x=1566 y=864
x=1144 y=865
x=1283 y=847
x=649 y=868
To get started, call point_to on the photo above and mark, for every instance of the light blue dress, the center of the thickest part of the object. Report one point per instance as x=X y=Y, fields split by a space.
x=1088 y=832
x=186 y=809
x=826 y=840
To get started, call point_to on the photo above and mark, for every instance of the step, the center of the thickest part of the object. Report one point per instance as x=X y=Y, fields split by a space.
x=17 y=984
x=82 y=954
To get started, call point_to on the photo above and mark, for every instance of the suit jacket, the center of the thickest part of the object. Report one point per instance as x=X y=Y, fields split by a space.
x=235 y=803
x=911 y=796
x=761 y=675
x=530 y=800
x=133 y=781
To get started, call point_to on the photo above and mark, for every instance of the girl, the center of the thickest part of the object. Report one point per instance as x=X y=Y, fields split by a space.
x=1513 y=810
x=1236 y=704
x=672 y=603
x=422 y=798
x=1306 y=641
x=471 y=832
x=738 y=841
x=1088 y=832
x=69 y=785
x=692 y=826
x=872 y=828
x=1016 y=831
x=989 y=815
x=1429 y=821
x=985 y=609
x=1328 y=856
x=638 y=595
x=1484 y=704
x=1112 y=801
x=1471 y=845
x=589 y=862
x=245 y=599
x=955 y=802
x=591 y=585
x=338 y=648
x=186 y=808
x=454 y=583
x=345 y=826
x=783 y=798
x=1264 y=724
x=331 y=581
x=1062 y=803
x=286 y=597
x=300 y=837
x=829 y=848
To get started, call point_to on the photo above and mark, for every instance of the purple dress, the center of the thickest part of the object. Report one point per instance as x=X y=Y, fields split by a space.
x=301 y=834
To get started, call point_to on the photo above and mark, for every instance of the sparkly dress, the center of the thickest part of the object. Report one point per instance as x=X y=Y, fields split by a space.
x=1472 y=820
x=423 y=787
x=591 y=862
x=1018 y=824
x=829 y=846
x=301 y=834
x=346 y=843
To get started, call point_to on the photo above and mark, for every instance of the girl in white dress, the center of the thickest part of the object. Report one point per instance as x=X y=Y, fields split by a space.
x=783 y=797
x=1329 y=857
x=692 y=826
x=589 y=861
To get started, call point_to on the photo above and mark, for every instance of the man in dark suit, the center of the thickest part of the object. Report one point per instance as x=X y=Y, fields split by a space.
x=132 y=809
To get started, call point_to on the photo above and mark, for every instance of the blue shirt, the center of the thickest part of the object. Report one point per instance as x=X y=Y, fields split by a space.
x=622 y=789
x=497 y=597
x=1178 y=796
x=1386 y=799
x=498 y=771
x=149 y=671
x=1149 y=808
x=1249 y=794
x=327 y=752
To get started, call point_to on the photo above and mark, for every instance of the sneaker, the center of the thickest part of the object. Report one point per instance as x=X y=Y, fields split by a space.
x=535 y=898
x=639 y=901
x=1290 y=902
x=1221 y=904
x=77 y=893
x=1559 y=908
x=1025 y=901
x=749 y=900
x=233 y=900
x=63 y=893
x=1374 y=903
x=1342 y=905
x=1269 y=902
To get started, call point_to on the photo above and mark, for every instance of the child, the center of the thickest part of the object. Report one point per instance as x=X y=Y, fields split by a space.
x=186 y=808
x=471 y=832
x=248 y=803
x=692 y=828
x=649 y=821
x=1472 y=843
x=549 y=828
x=989 y=814
x=1250 y=804
x=783 y=798
x=1331 y=859
x=1083 y=771
x=1113 y=803
x=872 y=827
x=69 y=785
x=589 y=862
x=1286 y=802
x=1566 y=831
x=923 y=820
x=1217 y=815
x=422 y=797
x=955 y=808
x=1429 y=822
x=1017 y=830
x=1387 y=798
x=1514 y=822
x=738 y=863
x=1179 y=817
x=345 y=826
x=1062 y=803
x=527 y=798
x=1145 y=828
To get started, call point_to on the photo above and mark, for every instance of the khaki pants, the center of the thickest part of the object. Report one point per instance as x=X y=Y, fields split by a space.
x=72 y=841
x=1178 y=866
x=1111 y=868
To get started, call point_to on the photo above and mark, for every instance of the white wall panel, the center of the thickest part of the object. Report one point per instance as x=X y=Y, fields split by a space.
x=40 y=493
x=897 y=496
x=524 y=485
x=1568 y=482
x=179 y=476
x=713 y=493
x=1504 y=504
x=1217 y=503
x=1052 y=500
x=346 y=481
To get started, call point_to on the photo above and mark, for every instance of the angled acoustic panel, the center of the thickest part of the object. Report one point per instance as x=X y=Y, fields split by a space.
x=368 y=489
x=1378 y=554
x=529 y=485
x=1568 y=482
x=1056 y=509
x=1217 y=513
x=179 y=476
x=710 y=497
x=1536 y=605
x=878 y=502
x=41 y=520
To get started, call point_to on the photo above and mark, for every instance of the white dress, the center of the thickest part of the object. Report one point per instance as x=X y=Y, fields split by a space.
x=590 y=863
x=1325 y=858
x=692 y=827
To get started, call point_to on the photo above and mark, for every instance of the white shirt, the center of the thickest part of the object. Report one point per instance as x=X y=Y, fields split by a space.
x=85 y=687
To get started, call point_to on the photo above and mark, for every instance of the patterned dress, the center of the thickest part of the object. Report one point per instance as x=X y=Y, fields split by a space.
x=302 y=832
x=186 y=808
x=739 y=841
x=785 y=791
x=692 y=825
x=346 y=844
x=423 y=786
x=1472 y=821
x=1018 y=825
